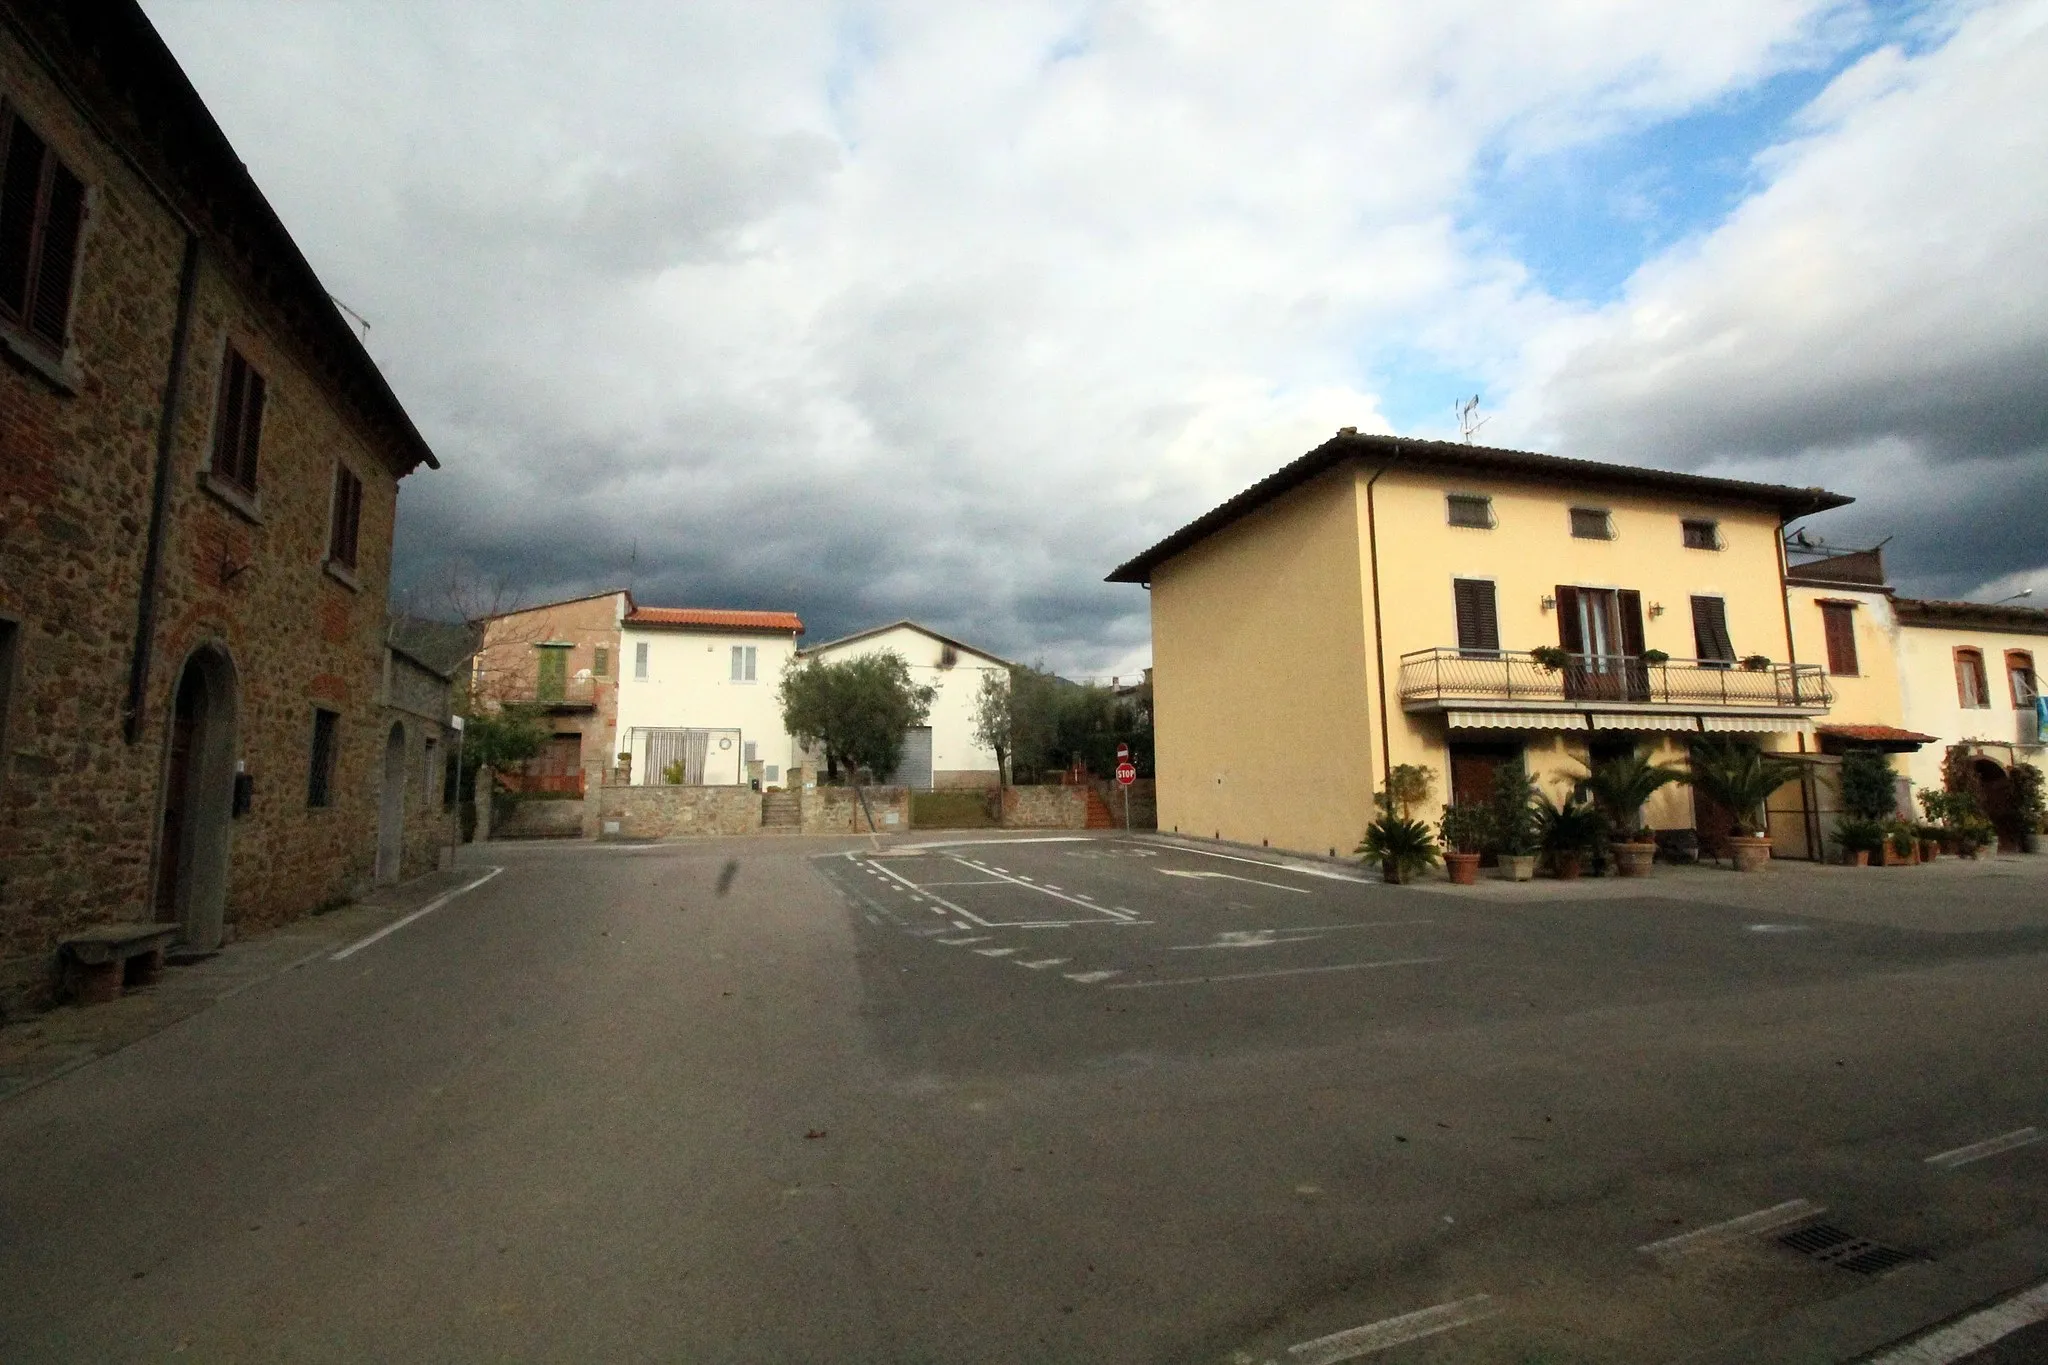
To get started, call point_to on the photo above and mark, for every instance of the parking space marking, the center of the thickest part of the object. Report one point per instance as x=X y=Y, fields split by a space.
x=1748 y=1225
x=1974 y=1333
x=1391 y=1332
x=1277 y=971
x=1029 y=885
x=1229 y=877
x=1977 y=1151
x=967 y=915
x=1327 y=874
x=956 y=942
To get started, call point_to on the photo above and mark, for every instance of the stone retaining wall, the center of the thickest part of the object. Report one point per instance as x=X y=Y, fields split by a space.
x=836 y=810
x=1051 y=807
x=672 y=812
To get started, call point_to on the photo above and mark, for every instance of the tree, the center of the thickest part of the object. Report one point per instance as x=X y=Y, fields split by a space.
x=1055 y=724
x=1869 y=789
x=994 y=720
x=856 y=710
x=502 y=738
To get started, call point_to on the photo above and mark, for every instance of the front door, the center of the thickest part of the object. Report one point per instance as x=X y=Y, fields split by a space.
x=1999 y=807
x=170 y=859
x=554 y=673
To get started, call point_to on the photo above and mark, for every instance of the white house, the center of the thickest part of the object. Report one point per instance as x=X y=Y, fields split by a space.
x=943 y=752
x=697 y=694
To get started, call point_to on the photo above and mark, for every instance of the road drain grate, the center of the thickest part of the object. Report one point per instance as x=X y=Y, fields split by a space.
x=1830 y=1245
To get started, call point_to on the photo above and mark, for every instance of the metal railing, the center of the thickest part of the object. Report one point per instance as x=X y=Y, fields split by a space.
x=1455 y=675
x=569 y=692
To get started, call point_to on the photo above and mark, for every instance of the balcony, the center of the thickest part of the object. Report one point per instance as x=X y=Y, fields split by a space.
x=550 y=694
x=1592 y=686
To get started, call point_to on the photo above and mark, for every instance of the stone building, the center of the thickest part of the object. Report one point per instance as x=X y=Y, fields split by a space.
x=199 y=469
x=425 y=668
x=562 y=660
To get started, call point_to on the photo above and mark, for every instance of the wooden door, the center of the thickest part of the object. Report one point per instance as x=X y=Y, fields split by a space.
x=554 y=673
x=177 y=790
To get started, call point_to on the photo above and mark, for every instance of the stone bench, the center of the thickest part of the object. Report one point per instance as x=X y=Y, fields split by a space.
x=101 y=960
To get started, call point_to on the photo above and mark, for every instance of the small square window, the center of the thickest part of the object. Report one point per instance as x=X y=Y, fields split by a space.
x=1592 y=523
x=1470 y=509
x=743 y=663
x=1702 y=534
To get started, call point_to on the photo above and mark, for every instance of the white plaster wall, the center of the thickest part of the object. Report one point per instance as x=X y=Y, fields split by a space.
x=689 y=686
x=952 y=715
x=1927 y=684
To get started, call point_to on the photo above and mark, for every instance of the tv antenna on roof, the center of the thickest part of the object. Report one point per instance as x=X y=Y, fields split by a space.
x=1468 y=410
x=361 y=321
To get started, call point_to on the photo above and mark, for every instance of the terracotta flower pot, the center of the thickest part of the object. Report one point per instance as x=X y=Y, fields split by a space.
x=1633 y=859
x=1860 y=858
x=1752 y=853
x=1463 y=867
x=1930 y=849
x=1517 y=867
x=1390 y=872
x=1565 y=866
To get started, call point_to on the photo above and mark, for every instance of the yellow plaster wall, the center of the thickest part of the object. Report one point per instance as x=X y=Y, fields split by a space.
x=1528 y=553
x=1931 y=705
x=1260 y=684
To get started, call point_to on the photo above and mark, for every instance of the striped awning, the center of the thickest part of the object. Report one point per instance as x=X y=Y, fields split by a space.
x=1630 y=721
x=1756 y=725
x=1514 y=720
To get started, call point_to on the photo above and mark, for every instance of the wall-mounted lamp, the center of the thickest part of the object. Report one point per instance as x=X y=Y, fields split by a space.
x=1656 y=610
x=1549 y=603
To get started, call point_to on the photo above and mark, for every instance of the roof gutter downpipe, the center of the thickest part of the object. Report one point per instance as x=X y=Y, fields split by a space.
x=166 y=441
x=1379 y=641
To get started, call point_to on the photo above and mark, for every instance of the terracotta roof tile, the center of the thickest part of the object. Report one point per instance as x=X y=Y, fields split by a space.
x=1876 y=734
x=715 y=618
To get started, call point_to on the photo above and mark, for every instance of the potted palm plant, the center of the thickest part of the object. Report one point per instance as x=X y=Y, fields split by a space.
x=1514 y=808
x=1403 y=848
x=1567 y=830
x=1465 y=829
x=1621 y=787
x=1741 y=777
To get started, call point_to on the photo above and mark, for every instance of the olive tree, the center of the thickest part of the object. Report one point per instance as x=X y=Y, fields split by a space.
x=855 y=710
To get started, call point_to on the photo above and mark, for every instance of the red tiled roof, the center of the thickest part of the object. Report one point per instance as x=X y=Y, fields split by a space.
x=713 y=618
x=1876 y=734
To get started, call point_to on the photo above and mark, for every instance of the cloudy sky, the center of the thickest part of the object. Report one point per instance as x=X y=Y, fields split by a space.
x=937 y=310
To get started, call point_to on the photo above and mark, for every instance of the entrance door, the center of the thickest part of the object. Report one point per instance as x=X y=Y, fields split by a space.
x=553 y=682
x=1473 y=766
x=198 y=801
x=1999 y=808
x=391 y=808
x=170 y=862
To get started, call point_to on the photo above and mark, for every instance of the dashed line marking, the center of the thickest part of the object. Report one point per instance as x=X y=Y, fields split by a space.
x=1748 y=1225
x=955 y=942
x=1043 y=963
x=1977 y=1151
x=1391 y=1332
x=1090 y=978
x=994 y=952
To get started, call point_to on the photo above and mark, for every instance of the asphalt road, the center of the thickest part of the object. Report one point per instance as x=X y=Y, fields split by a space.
x=1063 y=1100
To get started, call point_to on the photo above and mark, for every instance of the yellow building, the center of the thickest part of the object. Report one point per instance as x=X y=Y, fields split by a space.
x=1377 y=602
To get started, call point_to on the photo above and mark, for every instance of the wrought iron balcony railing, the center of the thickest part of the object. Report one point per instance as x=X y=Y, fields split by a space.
x=1443 y=676
x=569 y=694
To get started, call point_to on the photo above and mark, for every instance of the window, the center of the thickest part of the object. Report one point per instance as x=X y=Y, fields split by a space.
x=601 y=662
x=10 y=635
x=551 y=673
x=428 y=767
x=42 y=212
x=1710 y=642
x=345 y=520
x=749 y=749
x=1972 y=693
x=1840 y=620
x=326 y=749
x=1701 y=534
x=2019 y=676
x=1469 y=509
x=1478 y=617
x=771 y=773
x=1592 y=523
x=640 y=660
x=743 y=663
x=238 y=422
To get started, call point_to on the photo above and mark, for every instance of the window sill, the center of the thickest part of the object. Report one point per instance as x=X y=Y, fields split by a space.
x=341 y=574
x=243 y=503
x=61 y=372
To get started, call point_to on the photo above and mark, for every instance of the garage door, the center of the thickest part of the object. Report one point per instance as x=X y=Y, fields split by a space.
x=915 y=770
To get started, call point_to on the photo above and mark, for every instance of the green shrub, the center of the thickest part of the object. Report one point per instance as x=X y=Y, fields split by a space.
x=1870 y=791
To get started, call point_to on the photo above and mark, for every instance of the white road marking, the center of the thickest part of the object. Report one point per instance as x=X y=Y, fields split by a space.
x=986 y=843
x=994 y=952
x=1278 y=971
x=986 y=881
x=1973 y=1333
x=1028 y=885
x=1748 y=1225
x=1977 y=1151
x=1326 y=874
x=955 y=942
x=962 y=927
x=1044 y=962
x=429 y=908
x=938 y=901
x=1229 y=877
x=1391 y=1332
x=1090 y=978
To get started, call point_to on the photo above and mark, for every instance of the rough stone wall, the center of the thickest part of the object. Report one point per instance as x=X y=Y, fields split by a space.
x=1144 y=795
x=673 y=812
x=507 y=668
x=836 y=810
x=79 y=806
x=1048 y=807
x=419 y=699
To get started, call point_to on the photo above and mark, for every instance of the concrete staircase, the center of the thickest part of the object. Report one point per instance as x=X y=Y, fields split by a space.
x=781 y=813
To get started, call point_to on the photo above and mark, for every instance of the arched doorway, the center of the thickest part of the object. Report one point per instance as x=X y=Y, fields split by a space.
x=198 y=800
x=1996 y=793
x=391 y=807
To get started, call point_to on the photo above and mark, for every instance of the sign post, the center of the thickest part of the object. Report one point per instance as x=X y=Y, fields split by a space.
x=1126 y=774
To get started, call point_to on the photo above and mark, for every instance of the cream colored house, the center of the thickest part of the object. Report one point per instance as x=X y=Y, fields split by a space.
x=697 y=695
x=1377 y=602
x=943 y=752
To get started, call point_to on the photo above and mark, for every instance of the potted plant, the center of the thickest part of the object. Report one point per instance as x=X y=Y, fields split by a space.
x=1403 y=848
x=1621 y=787
x=1513 y=825
x=1567 y=830
x=1656 y=658
x=1859 y=838
x=1757 y=663
x=1929 y=836
x=1741 y=777
x=1551 y=657
x=1901 y=845
x=1465 y=829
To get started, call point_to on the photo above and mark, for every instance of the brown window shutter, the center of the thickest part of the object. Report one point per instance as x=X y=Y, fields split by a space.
x=1478 y=618
x=227 y=417
x=1840 y=620
x=63 y=215
x=252 y=429
x=1569 y=635
x=1710 y=637
x=21 y=187
x=355 y=518
x=1630 y=603
x=338 y=518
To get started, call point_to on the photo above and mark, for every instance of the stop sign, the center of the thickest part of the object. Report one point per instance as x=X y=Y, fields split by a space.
x=1126 y=774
